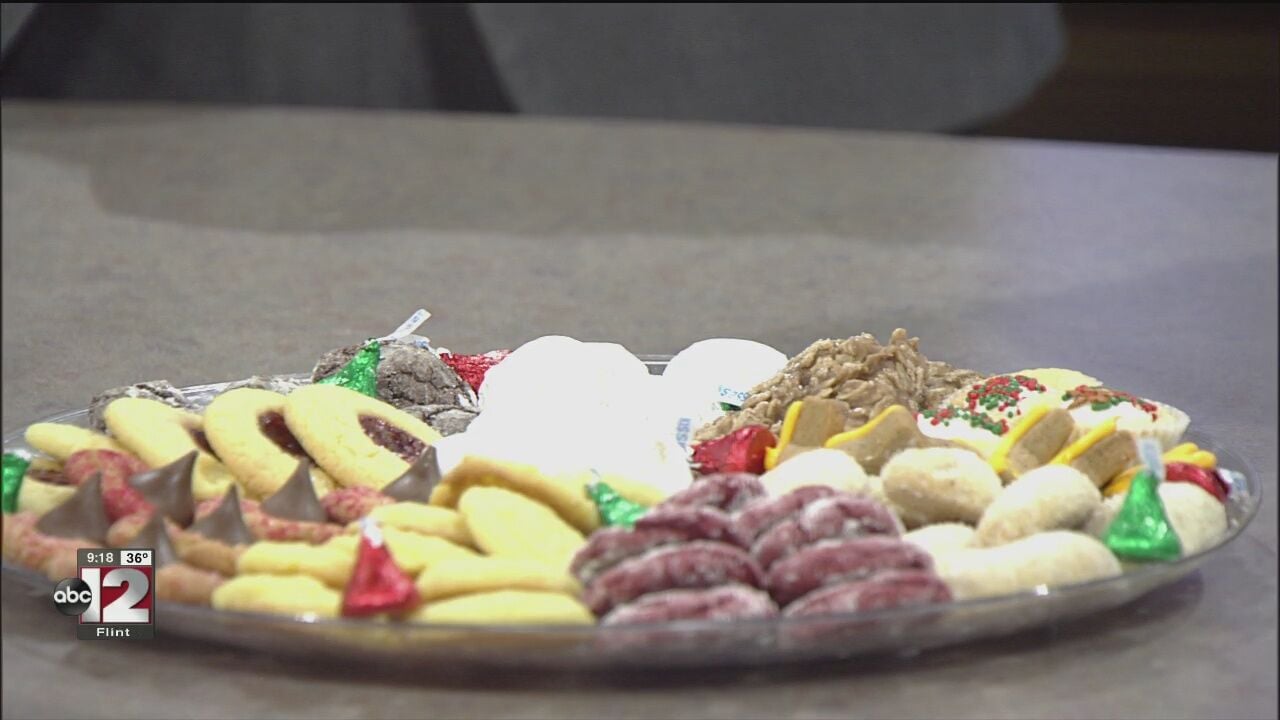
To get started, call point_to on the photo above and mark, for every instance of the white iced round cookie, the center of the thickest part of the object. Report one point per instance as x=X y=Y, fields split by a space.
x=823 y=466
x=523 y=377
x=1091 y=407
x=560 y=376
x=959 y=425
x=720 y=370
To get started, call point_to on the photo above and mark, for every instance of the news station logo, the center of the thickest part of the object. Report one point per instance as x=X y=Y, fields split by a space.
x=114 y=594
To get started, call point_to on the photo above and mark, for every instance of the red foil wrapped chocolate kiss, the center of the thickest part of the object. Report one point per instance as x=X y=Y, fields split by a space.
x=472 y=368
x=740 y=451
x=377 y=585
x=1207 y=479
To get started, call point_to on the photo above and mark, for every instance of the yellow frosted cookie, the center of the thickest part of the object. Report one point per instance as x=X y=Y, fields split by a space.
x=62 y=441
x=508 y=524
x=40 y=497
x=246 y=428
x=421 y=519
x=488 y=574
x=356 y=439
x=159 y=435
x=329 y=564
x=565 y=494
x=278 y=594
x=507 y=607
x=412 y=552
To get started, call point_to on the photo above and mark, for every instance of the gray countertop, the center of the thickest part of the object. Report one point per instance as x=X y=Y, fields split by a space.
x=201 y=244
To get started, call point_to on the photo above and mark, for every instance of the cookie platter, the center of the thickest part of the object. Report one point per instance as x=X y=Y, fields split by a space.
x=883 y=576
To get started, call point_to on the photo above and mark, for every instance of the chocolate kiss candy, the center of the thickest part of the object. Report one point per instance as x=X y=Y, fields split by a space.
x=1141 y=530
x=225 y=523
x=296 y=499
x=169 y=488
x=614 y=509
x=416 y=484
x=81 y=516
x=360 y=373
x=15 y=466
x=154 y=535
x=742 y=450
x=377 y=585
x=1207 y=479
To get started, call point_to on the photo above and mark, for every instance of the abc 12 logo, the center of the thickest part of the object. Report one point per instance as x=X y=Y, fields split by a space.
x=113 y=595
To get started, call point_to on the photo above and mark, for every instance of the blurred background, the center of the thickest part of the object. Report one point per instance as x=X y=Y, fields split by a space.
x=1182 y=74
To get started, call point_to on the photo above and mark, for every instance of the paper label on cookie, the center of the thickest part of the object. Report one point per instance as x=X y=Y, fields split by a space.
x=408 y=326
x=732 y=396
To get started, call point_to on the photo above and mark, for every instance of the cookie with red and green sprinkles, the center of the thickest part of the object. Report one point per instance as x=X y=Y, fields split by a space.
x=1006 y=397
x=976 y=429
x=980 y=414
x=1092 y=406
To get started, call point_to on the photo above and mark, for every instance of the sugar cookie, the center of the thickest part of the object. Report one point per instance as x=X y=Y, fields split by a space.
x=509 y=524
x=246 y=427
x=356 y=439
x=159 y=435
x=507 y=607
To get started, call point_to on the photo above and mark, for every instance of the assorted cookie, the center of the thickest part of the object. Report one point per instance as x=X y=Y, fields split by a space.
x=246 y=427
x=853 y=477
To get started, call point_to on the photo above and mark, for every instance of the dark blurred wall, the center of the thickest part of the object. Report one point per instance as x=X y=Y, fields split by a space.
x=1188 y=74
x=901 y=66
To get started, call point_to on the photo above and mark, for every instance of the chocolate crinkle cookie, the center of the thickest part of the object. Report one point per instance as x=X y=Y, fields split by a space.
x=409 y=374
x=859 y=371
x=274 y=383
x=445 y=419
x=161 y=390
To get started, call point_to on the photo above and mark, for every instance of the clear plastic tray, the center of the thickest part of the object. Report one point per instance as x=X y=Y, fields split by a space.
x=680 y=644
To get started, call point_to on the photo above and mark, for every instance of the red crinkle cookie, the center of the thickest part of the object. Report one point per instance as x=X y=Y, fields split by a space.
x=763 y=513
x=349 y=504
x=699 y=564
x=837 y=517
x=836 y=561
x=888 y=589
x=726 y=491
x=611 y=545
x=269 y=527
x=726 y=602
x=695 y=523
x=119 y=498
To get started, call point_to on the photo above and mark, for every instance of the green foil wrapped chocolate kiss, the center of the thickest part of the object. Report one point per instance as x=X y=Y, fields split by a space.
x=1141 y=530
x=15 y=466
x=361 y=373
x=614 y=509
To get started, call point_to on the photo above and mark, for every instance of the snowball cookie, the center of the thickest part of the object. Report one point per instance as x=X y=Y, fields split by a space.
x=558 y=375
x=940 y=484
x=1198 y=518
x=720 y=370
x=1051 y=497
x=1054 y=558
x=822 y=466
x=941 y=538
